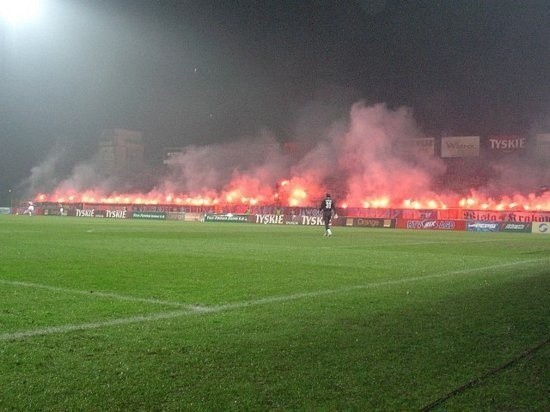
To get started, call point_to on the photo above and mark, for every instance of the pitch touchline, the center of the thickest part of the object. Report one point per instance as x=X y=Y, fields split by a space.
x=195 y=310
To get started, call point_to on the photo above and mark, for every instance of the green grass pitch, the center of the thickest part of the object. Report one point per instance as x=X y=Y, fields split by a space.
x=141 y=315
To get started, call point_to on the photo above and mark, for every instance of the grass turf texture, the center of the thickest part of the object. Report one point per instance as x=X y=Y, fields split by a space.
x=143 y=315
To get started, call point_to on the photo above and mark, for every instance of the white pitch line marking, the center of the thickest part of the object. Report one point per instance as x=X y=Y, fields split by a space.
x=296 y=296
x=427 y=242
x=51 y=330
x=195 y=310
x=107 y=295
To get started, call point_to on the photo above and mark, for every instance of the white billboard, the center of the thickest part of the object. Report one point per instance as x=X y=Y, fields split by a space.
x=424 y=145
x=543 y=145
x=460 y=146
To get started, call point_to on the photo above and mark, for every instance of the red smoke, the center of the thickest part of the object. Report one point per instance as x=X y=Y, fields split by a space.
x=355 y=160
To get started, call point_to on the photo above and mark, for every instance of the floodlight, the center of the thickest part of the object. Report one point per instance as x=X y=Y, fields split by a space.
x=16 y=12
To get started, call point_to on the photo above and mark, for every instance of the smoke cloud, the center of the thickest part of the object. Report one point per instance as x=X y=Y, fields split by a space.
x=353 y=157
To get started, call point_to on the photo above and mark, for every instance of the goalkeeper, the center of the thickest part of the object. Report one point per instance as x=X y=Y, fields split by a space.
x=328 y=209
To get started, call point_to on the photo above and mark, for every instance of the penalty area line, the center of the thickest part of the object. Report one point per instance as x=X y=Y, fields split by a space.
x=106 y=295
x=284 y=298
x=51 y=330
x=199 y=310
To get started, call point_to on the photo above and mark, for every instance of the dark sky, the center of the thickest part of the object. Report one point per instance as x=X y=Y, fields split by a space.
x=188 y=72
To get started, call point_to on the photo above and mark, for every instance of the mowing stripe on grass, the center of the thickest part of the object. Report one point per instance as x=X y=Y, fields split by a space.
x=106 y=295
x=196 y=310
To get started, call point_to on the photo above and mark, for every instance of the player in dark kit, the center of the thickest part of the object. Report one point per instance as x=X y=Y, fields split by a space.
x=328 y=209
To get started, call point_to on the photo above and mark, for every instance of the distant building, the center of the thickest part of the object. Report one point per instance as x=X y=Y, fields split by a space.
x=121 y=151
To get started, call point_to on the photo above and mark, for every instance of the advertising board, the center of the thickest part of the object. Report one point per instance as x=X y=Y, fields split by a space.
x=430 y=224
x=149 y=215
x=98 y=213
x=370 y=222
x=542 y=145
x=519 y=227
x=460 y=146
x=541 y=227
x=229 y=217
x=507 y=144
x=305 y=220
x=482 y=226
x=422 y=145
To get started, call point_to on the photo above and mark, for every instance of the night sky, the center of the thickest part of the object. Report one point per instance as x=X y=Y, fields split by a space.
x=199 y=72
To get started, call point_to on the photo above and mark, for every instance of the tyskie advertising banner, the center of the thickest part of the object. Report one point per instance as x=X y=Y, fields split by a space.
x=304 y=220
x=98 y=213
x=506 y=144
